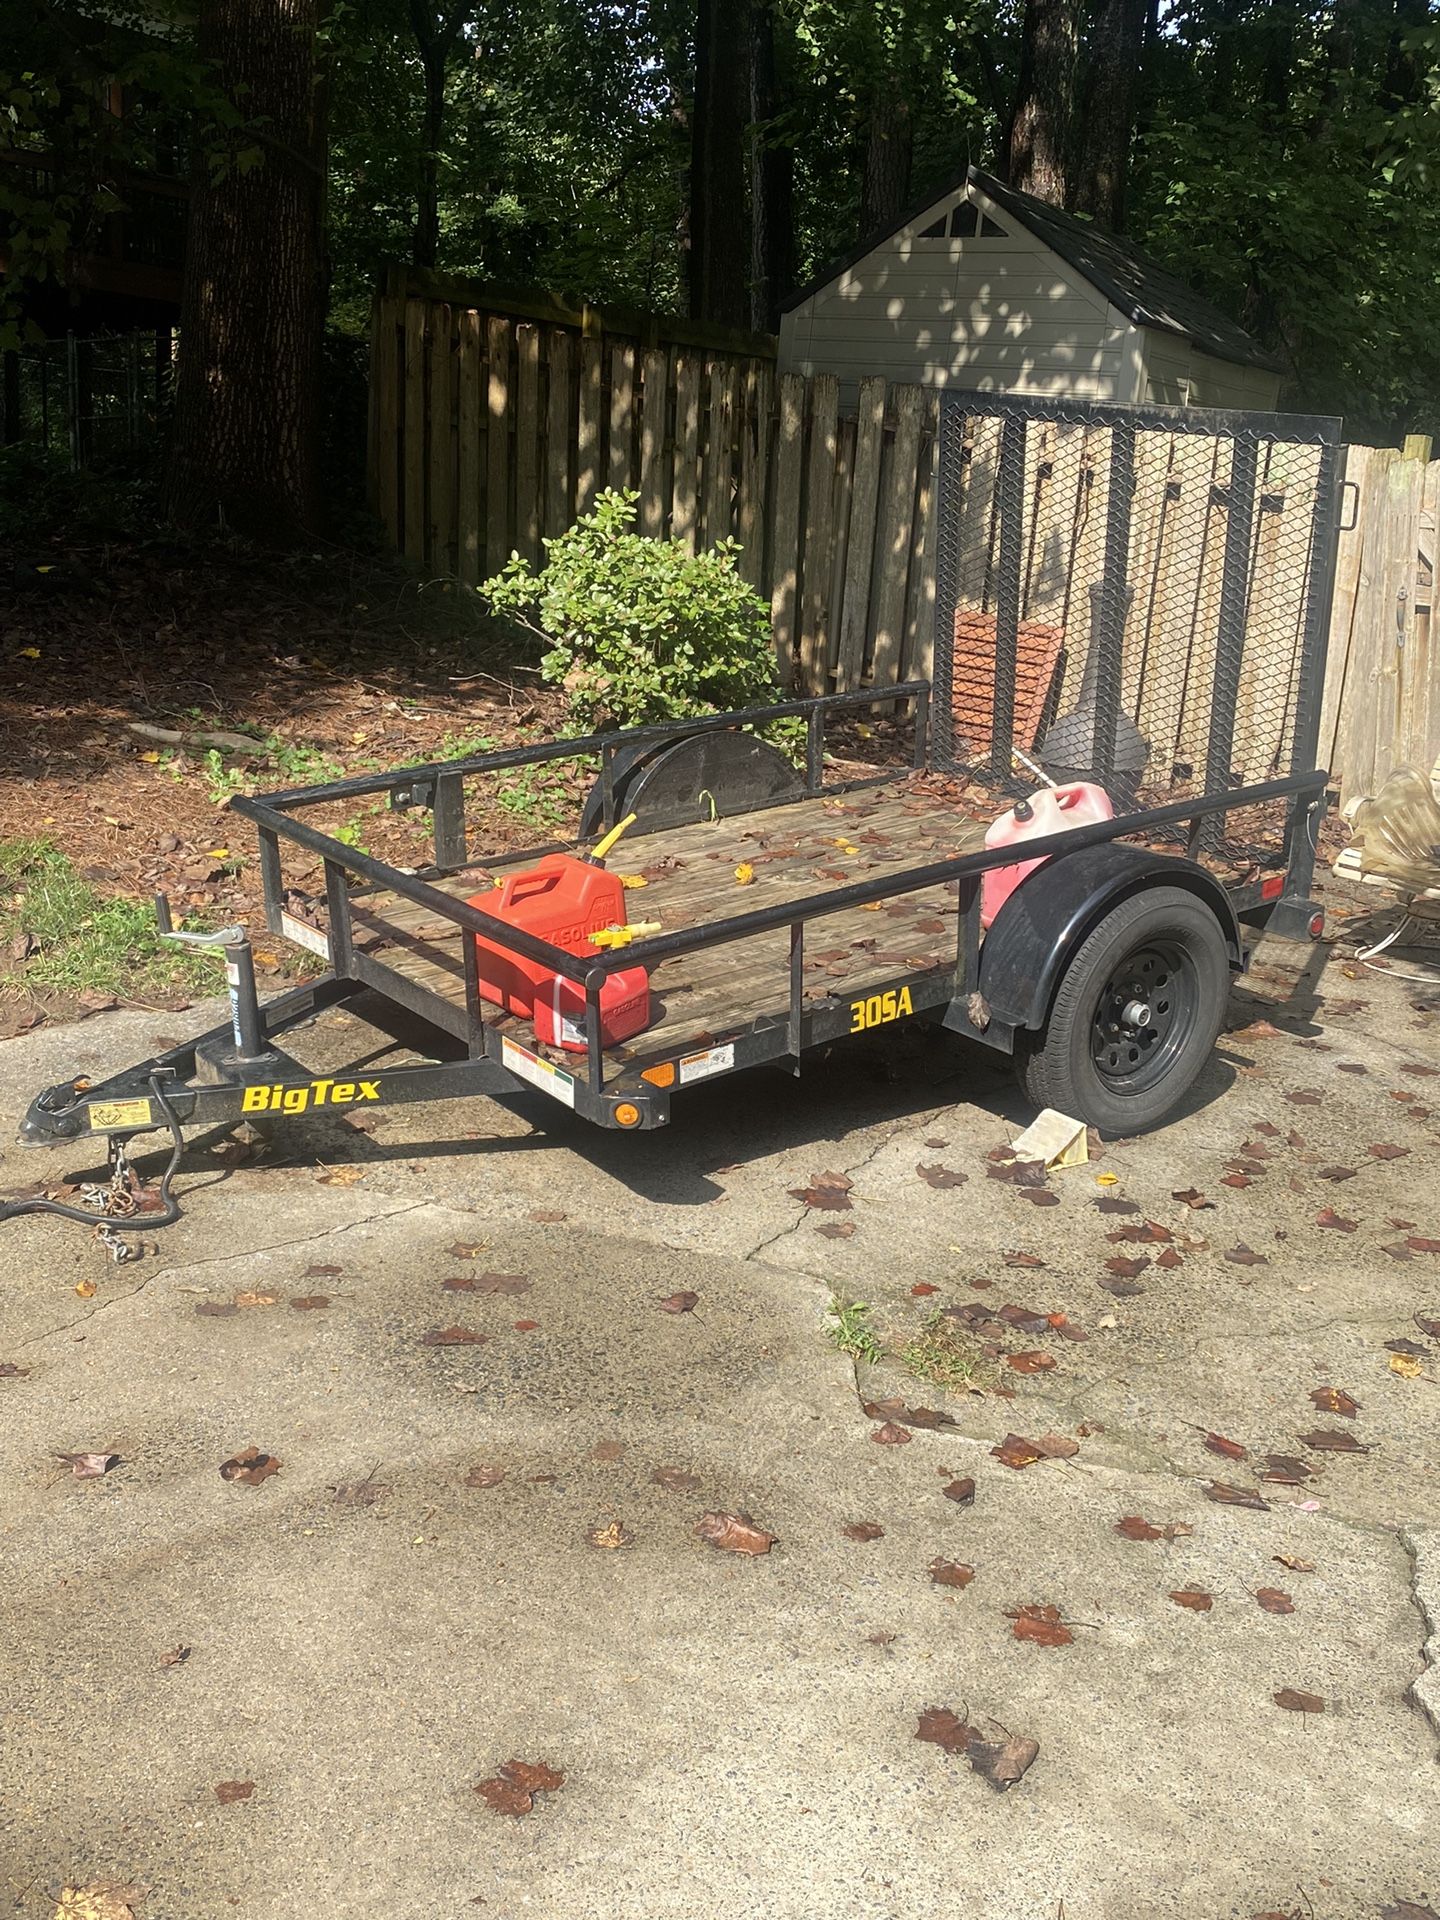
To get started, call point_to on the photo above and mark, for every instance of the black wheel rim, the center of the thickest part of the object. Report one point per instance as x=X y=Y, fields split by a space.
x=1144 y=1016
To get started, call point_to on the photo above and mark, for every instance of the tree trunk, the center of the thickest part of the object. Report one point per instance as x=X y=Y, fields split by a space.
x=1044 y=93
x=888 y=152
x=772 y=181
x=719 y=245
x=1406 y=68
x=426 y=243
x=246 y=401
x=1110 y=101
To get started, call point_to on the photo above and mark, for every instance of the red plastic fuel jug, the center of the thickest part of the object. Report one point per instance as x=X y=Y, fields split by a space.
x=560 y=899
x=624 y=1010
x=1051 y=810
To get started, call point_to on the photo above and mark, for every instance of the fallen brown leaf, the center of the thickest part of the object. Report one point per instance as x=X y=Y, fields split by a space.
x=468 y=1249
x=250 y=1299
x=98 y=1900
x=1040 y=1625
x=945 y=1729
x=1327 y=1217
x=1229 y=1496
x=229 y=1791
x=1296 y=1702
x=610 y=1538
x=941 y=1177
x=1195 y=1598
x=89 y=1466
x=890 y=1435
x=1116 y=1203
x=1386 y=1150
x=1016 y=1451
x=1332 y=1440
x=1244 y=1256
x=309 y=1302
x=962 y=1492
x=608 y=1450
x=1031 y=1261
x=9 y=1371
x=1227 y=1449
x=1033 y=1362
x=1294 y=1562
x=1286 y=1470
x=174 y=1657
x=675 y=1479
x=1000 y=1762
x=684 y=1302
x=930 y=1418
x=735 y=1533
x=1192 y=1198
x=1334 y=1400
x=1305 y=1097
x=1058 y=1446
x=1125 y=1268
x=249 y=1466
x=1134 y=1528
x=516 y=1783
x=1272 y=1600
x=951 y=1573
x=922 y=1290
x=862 y=1531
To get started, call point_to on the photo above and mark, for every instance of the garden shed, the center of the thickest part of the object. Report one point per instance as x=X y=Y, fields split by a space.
x=983 y=287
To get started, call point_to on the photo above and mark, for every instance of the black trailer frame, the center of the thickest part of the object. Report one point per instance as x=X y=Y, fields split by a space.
x=239 y=1071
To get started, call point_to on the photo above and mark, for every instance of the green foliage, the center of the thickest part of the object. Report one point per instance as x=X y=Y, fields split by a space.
x=847 y=1328
x=640 y=630
x=81 y=941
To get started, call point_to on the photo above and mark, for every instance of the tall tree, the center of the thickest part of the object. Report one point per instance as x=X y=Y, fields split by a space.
x=772 y=177
x=246 y=401
x=437 y=35
x=1111 y=95
x=1044 y=96
x=889 y=151
x=719 y=243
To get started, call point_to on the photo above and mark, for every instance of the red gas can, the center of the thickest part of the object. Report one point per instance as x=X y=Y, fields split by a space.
x=624 y=1010
x=560 y=899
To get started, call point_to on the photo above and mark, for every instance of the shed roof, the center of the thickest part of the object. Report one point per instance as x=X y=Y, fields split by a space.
x=1146 y=293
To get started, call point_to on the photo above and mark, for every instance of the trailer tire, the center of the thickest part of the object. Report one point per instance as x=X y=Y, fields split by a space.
x=1135 y=1016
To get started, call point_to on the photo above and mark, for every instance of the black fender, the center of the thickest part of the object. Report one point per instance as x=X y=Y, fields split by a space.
x=1053 y=909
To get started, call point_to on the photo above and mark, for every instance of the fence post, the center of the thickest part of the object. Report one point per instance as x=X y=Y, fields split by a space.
x=1114 y=598
x=1230 y=627
x=1010 y=497
x=785 y=524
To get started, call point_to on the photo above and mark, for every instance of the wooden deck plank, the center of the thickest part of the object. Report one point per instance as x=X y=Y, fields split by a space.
x=796 y=852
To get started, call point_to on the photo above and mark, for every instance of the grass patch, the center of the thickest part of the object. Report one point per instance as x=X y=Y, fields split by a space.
x=80 y=941
x=848 y=1330
x=943 y=1355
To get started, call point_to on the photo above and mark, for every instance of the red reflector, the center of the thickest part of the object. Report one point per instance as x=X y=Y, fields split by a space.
x=1317 y=925
x=1272 y=888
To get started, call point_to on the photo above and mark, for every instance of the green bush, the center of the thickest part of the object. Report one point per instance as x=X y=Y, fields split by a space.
x=639 y=630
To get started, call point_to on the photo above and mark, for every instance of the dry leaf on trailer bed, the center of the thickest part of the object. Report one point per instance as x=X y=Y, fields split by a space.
x=1040 y=1625
x=735 y=1533
x=516 y=1783
x=250 y=1466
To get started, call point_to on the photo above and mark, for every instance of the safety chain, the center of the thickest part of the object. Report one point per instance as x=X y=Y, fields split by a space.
x=118 y=1201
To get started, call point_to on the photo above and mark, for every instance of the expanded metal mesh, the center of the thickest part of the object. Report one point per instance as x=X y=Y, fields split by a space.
x=1135 y=596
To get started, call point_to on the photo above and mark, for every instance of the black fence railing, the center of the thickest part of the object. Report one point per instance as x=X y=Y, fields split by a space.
x=1133 y=595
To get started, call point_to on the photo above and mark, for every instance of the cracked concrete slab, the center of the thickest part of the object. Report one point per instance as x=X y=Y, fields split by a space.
x=737 y=1736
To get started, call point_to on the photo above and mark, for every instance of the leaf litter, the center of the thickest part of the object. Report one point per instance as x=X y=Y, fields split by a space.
x=736 y=1533
x=1000 y=1762
x=516 y=1783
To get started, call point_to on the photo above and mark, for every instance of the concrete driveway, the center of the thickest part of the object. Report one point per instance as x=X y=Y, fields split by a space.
x=737 y=1734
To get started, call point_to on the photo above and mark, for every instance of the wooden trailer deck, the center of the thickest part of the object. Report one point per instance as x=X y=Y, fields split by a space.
x=796 y=851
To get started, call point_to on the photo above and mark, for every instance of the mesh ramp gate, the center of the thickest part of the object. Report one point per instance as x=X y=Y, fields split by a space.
x=1135 y=595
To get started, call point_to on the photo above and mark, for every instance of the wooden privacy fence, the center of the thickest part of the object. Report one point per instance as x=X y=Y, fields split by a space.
x=495 y=421
x=1382 y=689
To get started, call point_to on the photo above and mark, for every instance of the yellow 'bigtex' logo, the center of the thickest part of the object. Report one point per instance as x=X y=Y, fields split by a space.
x=319 y=1093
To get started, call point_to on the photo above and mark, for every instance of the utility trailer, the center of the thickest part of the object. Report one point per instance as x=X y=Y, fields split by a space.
x=1105 y=973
